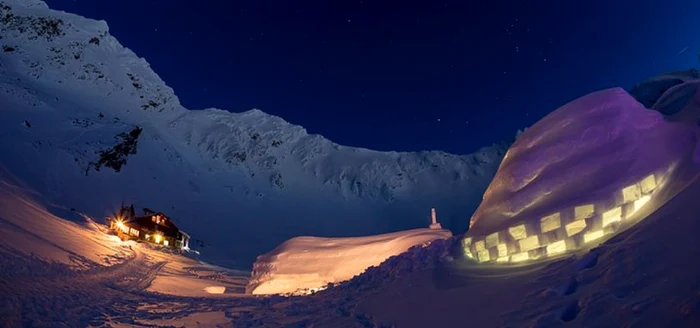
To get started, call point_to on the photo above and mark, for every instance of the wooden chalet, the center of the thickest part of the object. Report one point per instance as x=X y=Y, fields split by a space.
x=153 y=227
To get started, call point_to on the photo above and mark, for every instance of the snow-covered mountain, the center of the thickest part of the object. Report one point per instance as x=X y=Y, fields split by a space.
x=87 y=123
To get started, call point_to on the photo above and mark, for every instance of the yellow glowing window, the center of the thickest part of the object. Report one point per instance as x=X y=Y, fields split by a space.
x=556 y=247
x=529 y=243
x=158 y=238
x=551 y=222
x=165 y=242
x=502 y=250
x=631 y=193
x=466 y=242
x=479 y=245
x=520 y=257
x=502 y=259
x=648 y=184
x=593 y=235
x=575 y=227
x=468 y=254
x=611 y=216
x=483 y=256
x=492 y=240
x=584 y=211
x=518 y=232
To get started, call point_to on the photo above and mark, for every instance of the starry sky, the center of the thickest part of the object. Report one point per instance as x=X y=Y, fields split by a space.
x=401 y=75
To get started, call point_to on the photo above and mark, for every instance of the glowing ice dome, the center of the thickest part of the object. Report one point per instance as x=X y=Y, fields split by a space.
x=577 y=176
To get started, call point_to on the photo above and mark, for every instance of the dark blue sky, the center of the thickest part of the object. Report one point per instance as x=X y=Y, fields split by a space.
x=401 y=75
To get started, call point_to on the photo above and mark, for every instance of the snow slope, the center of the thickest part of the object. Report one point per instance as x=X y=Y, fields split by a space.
x=56 y=273
x=311 y=263
x=86 y=122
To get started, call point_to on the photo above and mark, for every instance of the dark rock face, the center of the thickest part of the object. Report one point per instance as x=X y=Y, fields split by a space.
x=116 y=156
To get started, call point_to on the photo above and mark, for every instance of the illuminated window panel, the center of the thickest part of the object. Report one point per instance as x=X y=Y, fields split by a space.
x=480 y=246
x=557 y=247
x=524 y=256
x=575 y=227
x=483 y=256
x=631 y=193
x=648 y=184
x=551 y=222
x=529 y=243
x=584 y=211
x=467 y=242
x=468 y=254
x=593 y=235
x=492 y=240
x=518 y=232
x=612 y=216
x=502 y=250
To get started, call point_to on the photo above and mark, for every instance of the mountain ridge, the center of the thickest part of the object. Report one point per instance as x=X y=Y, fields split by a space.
x=73 y=94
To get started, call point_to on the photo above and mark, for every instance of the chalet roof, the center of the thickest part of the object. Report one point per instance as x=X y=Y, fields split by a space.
x=147 y=222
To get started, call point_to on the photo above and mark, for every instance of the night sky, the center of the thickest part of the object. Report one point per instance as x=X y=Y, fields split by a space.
x=401 y=75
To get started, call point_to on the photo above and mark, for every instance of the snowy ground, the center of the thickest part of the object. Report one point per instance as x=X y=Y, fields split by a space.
x=643 y=277
x=57 y=273
x=59 y=268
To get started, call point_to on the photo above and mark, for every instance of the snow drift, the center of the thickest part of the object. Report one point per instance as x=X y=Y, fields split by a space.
x=90 y=125
x=580 y=174
x=310 y=263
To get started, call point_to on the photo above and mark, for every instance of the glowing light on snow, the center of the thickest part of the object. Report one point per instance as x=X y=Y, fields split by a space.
x=557 y=247
x=648 y=184
x=520 y=257
x=593 y=235
x=518 y=232
x=631 y=193
x=584 y=211
x=492 y=240
x=309 y=263
x=480 y=246
x=638 y=204
x=575 y=227
x=612 y=216
x=502 y=250
x=215 y=289
x=529 y=243
x=551 y=222
x=483 y=255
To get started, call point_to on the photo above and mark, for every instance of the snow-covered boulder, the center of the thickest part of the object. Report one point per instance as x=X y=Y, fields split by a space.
x=580 y=174
x=305 y=264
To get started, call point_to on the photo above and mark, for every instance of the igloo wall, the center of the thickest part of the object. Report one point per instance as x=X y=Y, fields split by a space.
x=576 y=176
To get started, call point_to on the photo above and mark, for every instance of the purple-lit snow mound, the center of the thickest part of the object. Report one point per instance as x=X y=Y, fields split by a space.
x=576 y=176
